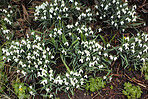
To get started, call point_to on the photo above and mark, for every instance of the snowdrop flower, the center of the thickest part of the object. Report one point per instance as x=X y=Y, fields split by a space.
x=81 y=60
x=88 y=10
x=23 y=42
x=71 y=72
x=133 y=51
x=105 y=54
x=70 y=34
x=6 y=31
x=80 y=71
x=65 y=82
x=113 y=1
x=111 y=57
x=67 y=75
x=52 y=57
x=94 y=58
x=140 y=53
x=59 y=32
x=38 y=38
x=7 y=38
x=100 y=29
x=64 y=52
x=76 y=74
x=127 y=38
x=47 y=89
x=91 y=64
x=104 y=77
x=5 y=11
x=72 y=82
x=44 y=82
x=128 y=19
x=133 y=44
x=136 y=39
x=85 y=76
x=24 y=73
x=76 y=24
x=66 y=43
x=67 y=88
x=99 y=53
x=69 y=26
x=138 y=56
x=121 y=22
x=7 y=53
x=142 y=59
x=59 y=17
x=87 y=59
x=90 y=19
x=108 y=45
x=8 y=60
x=96 y=6
x=115 y=58
x=126 y=45
x=102 y=5
x=70 y=0
x=101 y=66
x=106 y=7
x=82 y=81
x=77 y=8
x=77 y=86
x=145 y=50
x=76 y=3
x=115 y=24
x=97 y=13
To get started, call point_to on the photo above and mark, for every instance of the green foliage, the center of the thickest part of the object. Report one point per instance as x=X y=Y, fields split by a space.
x=6 y=21
x=146 y=70
x=133 y=51
x=132 y=92
x=20 y=89
x=117 y=14
x=111 y=87
x=66 y=39
x=94 y=84
x=60 y=11
x=3 y=76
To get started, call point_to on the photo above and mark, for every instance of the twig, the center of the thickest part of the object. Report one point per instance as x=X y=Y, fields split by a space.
x=136 y=81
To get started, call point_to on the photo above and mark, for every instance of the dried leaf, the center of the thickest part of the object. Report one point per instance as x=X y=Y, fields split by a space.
x=25 y=11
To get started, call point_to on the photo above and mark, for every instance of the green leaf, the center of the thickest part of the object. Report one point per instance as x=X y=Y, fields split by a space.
x=64 y=38
x=103 y=39
x=73 y=43
x=0 y=51
x=37 y=32
x=136 y=24
x=124 y=92
x=111 y=87
x=112 y=38
x=1 y=65
x=53 y=42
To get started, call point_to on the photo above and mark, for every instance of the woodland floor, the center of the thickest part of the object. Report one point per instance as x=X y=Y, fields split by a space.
x=120 y=75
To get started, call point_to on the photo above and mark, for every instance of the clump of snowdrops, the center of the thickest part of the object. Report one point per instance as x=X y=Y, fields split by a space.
x=5 y=21
x=60 y=11
x=67 y=39
x=133 y=51
x=116 y=13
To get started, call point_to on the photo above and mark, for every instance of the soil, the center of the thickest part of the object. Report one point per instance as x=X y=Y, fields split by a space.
x=119 y=75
